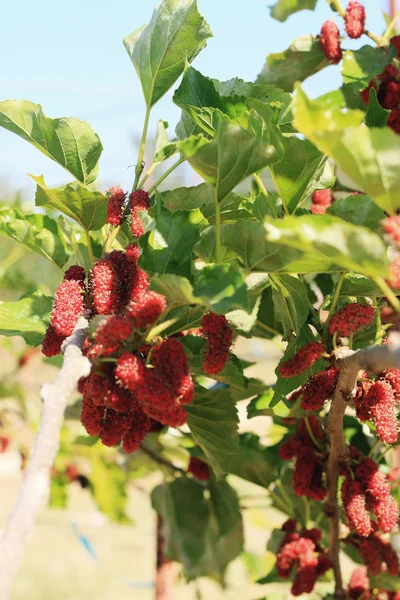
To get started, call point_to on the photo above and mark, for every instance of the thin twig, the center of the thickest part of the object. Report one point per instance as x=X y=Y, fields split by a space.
x=161 y=460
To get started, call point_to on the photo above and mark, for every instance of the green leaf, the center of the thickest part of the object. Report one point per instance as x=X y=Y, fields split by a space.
x=167 y=248
x=255 y=462
x=357 y=285
x=58 y=492
x=350 y=247
x=164 y=148
x=359 y=210
x=39 y=233
x=159 y=50
x=360 y=66
x=385 y=581
x=88 y=208
x=202 y=197
x=69 y=142
x=177 y=289
x=225 y=503
x=376 y=115
x=222 y=288
x=367 y=156
x=28 y=317
x=284 y=8
x=291 y=303
x=213 y=421
x=185 y=514
x=302 y=170
x=109 y=483
x=302 y=59
x=234 y=153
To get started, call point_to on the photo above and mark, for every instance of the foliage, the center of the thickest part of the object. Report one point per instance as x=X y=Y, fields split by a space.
x=292 y=238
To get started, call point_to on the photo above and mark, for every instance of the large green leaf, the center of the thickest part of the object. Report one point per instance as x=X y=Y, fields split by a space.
x=360 y=66
x=284 y=8
x=159 y=50
x=178 y=290
x=376 y=115
x=167 y=248
x=359 y=210
x=224 y=535
x=302 y=59
x=109 y=484
x=291 y=303
x=234 y=153
x=88 y=208
x=202 y=196
x=213 y=421
x=350 y=247
x=28 y=317
x=222 y=288
x=37 y=232
x=254 y=462
x=368 y=156
x=71 y=143
x=302 y=170
x=357 y=285
x=185 y=514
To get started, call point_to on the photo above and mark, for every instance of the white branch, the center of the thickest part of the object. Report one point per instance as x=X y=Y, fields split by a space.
x=36 y=483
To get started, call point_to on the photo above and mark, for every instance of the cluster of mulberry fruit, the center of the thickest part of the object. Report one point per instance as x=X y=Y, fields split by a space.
x=301 y=551
x=308 y=476
x=367 y=502
x=134 y=385
x=360 y=588
x=387 y=86
x=376 y=401
x=354 y=24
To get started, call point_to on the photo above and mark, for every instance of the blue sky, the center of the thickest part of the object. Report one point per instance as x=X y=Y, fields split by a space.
x=69 y=57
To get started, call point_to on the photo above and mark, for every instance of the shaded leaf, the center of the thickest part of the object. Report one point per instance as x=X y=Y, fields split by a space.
x=167 y=248
x=159 y=50
x=28 y=317
x=109 y=483
x=357 y=285
x=290 y=299
x=71 y=143
x=213 y=421
x=353 y=248
x=284 y=8
x=359 y=210
x=360 y=66
x=222 y=288
x=39 y=233
x=376 y=115
x=234 y=153
x=255 y=462
x=302 y=170
x=302 y=59
x=88 y=208
x=367 y=156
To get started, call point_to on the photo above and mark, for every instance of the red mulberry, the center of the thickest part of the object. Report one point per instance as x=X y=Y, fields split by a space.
x=304 y=358
x=105 y=287
x=354 y=507
x=393 y=377
x=319 y=388
x=391 y=226
x=145 y=308
x=359 y=585
x=75 y=273
x=370 y=556
x=354 y=19
x=114 y=427
x=130 y=371
x=97 y=389
x=138 y=425
x=139 y=200
x=92 y=417
x=350 y=318
x=387 y=513
x=113 y=331
x=52 y=342
x=380 y=401
x=321 y=200
x=199 y=469
x=116 y=198
x=330 y=43
x=68 y=306
x=219 y=338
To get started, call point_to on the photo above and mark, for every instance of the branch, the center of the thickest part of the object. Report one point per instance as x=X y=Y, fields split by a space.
x=373 y=359
x=160 y=460
x=36 y=483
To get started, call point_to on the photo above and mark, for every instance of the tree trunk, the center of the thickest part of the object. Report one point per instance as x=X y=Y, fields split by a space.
x=166 y=572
